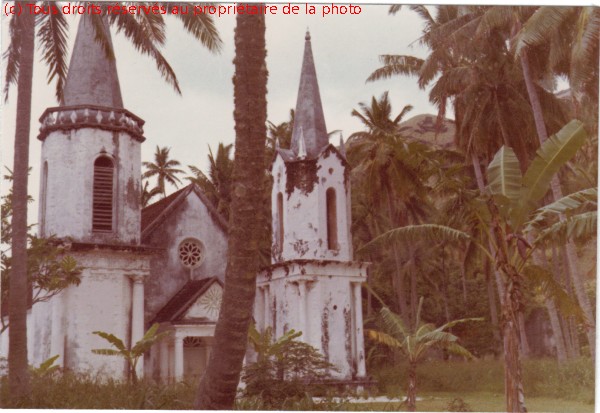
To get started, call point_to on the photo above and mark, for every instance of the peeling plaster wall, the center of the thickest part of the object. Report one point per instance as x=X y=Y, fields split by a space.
x=191 y=219
x=305 y=210
x=101 y=302
x=327 y=314
x=70 y=156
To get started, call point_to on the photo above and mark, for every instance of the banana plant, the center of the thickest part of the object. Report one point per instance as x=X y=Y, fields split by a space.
x=508 y=210
x=133 y=354
x=414 y=341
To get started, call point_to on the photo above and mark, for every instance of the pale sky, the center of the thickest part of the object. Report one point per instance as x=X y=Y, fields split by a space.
x=346 y=50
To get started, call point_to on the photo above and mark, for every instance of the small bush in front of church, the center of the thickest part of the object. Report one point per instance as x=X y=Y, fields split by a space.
x=285 y=372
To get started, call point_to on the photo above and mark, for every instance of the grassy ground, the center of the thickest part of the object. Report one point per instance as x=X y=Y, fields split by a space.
x=477 y=402
x=475 y=385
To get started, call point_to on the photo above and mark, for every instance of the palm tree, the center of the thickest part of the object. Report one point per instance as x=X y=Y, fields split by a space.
x=218 y=386
x=147 y=34
x=148 y=194
x=217 y=185
x=414 y=342
x=22 y=30
x=391 y=171
x=164 y=169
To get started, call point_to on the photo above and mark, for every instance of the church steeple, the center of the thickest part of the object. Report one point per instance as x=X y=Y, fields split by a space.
x=309 y=120
x=92 y=78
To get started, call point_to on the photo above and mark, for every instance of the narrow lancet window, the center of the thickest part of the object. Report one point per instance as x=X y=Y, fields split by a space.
x=44 y=197
x=102 y=215
x=332 y=237
x=280 y=220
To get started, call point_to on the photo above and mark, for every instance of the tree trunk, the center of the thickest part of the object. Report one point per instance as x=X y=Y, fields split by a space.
x=557 y=332
x=18 y=373
x=492 y=303
x=572 y=260
x=218 y=386
x=411 y=393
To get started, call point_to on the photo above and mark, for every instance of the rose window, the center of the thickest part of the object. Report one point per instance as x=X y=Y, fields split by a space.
x=191 y=253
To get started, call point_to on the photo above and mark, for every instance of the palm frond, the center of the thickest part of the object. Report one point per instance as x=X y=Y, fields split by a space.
x=202 y=27
x=396 y=65
x=138 y=34
x=540 y=25
x=411 y=233
x=53 y=35
x=12 y=55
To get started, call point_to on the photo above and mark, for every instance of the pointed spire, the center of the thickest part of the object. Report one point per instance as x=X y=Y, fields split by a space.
x=309 y=120
x=92 y=78
x=342 y=146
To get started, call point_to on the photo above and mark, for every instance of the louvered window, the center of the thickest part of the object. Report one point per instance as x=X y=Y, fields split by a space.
x=102 y=215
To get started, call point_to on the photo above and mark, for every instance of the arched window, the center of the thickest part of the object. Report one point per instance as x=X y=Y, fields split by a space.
x=332 y=238
x=280 y=220
x=102 y=212
x=43 y=198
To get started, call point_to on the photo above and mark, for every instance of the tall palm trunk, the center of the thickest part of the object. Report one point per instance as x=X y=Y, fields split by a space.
x=411 y=393
x=218 y=385
x=18 y=373
x=572 y=266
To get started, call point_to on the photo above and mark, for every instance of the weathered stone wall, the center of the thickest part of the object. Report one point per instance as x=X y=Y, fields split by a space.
x=304 y=185
x=68 y=197
x=319 y=299
x=191 y=219
x=101 y=302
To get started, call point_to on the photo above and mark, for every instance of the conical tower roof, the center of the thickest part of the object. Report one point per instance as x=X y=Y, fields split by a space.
x=309 y=119
x=92 y=78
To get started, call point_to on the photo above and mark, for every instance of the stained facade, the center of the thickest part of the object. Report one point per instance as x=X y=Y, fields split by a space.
x=165 y=263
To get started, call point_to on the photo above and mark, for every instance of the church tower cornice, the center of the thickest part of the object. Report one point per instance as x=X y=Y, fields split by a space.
x=92 y=95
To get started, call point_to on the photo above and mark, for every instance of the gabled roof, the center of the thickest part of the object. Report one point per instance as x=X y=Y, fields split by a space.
x=183 y=299
x=154 y=214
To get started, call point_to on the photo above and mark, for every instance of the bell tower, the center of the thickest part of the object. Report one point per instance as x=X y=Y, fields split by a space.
x=313 y=284
x=90 y=200
x=91 y=153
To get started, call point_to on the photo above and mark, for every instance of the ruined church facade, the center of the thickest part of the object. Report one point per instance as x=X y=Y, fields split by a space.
x=166 y=263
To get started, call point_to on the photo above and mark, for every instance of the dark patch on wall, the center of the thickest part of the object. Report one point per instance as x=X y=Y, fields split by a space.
x=300 y=247
x=132 y=194
x=325 y=332
x=301 y=175
x=348 y=333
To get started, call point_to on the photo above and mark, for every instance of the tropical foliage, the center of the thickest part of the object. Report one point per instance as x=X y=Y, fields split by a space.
x=414 y=342
x=131 y=355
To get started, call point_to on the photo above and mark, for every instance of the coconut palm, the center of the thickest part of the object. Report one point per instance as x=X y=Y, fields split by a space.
x=414 y=342
x=390 y=170
x=147 y=34
x=164 y=169
x=217 y=389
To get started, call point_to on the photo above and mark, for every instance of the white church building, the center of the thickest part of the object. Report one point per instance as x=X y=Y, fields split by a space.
x=166 y=263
